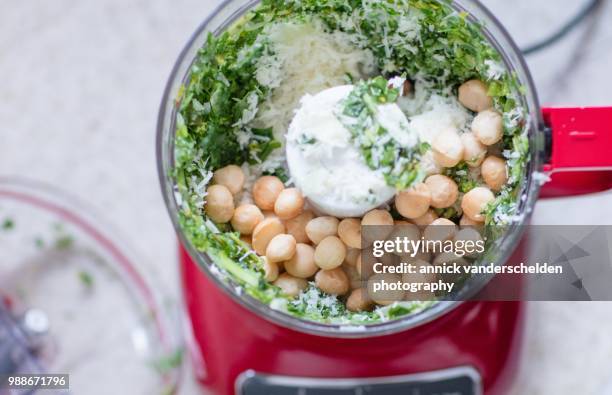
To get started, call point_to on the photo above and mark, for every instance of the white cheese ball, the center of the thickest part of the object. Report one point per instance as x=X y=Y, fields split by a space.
x=231 y=177
x=219 y=204
x=475 y=201
x=447 y=148
x=494 y=172
x=329 y=169
x=473 y=95
x=487 y=126
x=474 y=151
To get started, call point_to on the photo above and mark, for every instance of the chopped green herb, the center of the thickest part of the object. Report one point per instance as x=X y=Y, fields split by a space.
x=316 y=305
x=280 y=172
x=400 y=310
x=64 y=242
x=169 y=389
x=8 y=224
x=462 y=175
x=86 y=279
x=448 y=213
x=39 y=242
x=400 y=165
x=308 y=140
x=168 y=363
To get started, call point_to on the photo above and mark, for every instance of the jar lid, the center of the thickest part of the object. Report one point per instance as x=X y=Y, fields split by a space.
x=72 y=300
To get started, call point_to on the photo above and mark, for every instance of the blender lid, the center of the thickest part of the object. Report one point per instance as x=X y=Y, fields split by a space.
x=72 y=301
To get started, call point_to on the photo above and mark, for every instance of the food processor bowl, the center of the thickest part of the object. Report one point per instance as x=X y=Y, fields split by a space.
x=220 y=20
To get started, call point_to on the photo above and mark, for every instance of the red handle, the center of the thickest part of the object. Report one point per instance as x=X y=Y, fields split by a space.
x=581 y=150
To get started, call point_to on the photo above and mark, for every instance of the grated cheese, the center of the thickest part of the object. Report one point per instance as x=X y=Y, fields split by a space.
x=304 y=60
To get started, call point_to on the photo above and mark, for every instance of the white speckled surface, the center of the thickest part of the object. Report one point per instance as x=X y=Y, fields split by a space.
x=81 y=82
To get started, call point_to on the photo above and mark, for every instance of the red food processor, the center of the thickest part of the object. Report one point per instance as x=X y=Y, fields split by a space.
x=241 y=346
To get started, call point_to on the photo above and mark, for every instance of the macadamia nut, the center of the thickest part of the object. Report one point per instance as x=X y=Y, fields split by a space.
x=297 y=226
x=334 y=281
x=443 y=189
x=291 y=286
x=280 y=248
x=447 y=148
x=302 y=263
x=330 y=253
x=475 y=201
x=349 y=231
x=230 y=177
x=219 y=203
x=246 y=217
x=426 y=218
x=413 y=202
x=265 y=231
x=266 y=191
x=474 y=96
x=289 y=203
x=487 y=127
x=321 y=227
x=441 y=229
x=494 y=172
x=270 y=270
x=474 y=151
x=359 y=300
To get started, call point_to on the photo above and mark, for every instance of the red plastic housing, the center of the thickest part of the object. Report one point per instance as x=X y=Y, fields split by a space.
x=228 y=340
x=580 y=150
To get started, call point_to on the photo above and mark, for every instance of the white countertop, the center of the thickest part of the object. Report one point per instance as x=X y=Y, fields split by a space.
x=81 y=83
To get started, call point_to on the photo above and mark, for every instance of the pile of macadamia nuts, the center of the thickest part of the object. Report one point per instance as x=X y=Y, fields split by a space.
x=295 y=245
x=298 y=246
